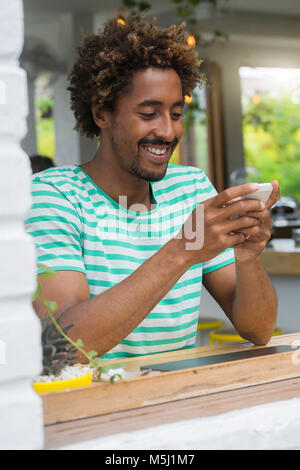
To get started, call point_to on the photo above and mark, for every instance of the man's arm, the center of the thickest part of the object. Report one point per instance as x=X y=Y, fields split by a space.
x=244 y=290
x=246 y=294
x=104 y=320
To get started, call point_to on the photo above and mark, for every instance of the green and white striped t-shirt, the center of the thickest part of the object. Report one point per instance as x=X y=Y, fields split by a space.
x=77 y=226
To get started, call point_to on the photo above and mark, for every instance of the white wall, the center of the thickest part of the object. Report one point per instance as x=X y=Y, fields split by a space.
x=272 y=426
x=21 y=417
x=287 y=289
x=288 y=293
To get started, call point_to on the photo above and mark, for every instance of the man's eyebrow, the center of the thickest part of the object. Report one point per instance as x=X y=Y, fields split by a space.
x=156 y=102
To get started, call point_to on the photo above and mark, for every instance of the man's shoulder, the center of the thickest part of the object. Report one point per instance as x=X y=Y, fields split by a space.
x=57 y=173
x=189 y=172
x=181 y=176
x=62 y=178
x=183 y=183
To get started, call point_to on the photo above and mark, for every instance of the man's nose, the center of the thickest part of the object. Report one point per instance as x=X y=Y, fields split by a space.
x=166 y=129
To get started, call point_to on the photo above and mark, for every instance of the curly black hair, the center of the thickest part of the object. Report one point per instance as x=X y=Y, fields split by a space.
x=108 y=60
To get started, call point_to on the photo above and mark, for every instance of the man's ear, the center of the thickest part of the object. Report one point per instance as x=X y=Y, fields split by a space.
x=101 y=117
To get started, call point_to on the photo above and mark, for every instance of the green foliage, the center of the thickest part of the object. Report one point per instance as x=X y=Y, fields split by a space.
x=175 y=157
x=194 y=3
x=44 y=104
x=136 y=6
x=45 y=137
x=183 y=12
x=57 y=351
x=143 y=6
x=55 y=362
x=185 y=8
x=129 y=3
x=194 y=113
x=45 y=127
x=271 y=132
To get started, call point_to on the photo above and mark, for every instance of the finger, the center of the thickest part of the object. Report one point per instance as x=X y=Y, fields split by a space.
x=232 y=201
x=263 y=216
x=236 y=191
x=236 y=239
x=255 y=234
x=274 y=196
x=243 y=206
x=241 y=223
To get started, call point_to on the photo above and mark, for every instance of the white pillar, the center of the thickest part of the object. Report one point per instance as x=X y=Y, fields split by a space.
x=233 y=119
x=71 y=147
x=84 y=23
x=21 y=415
x=67 y=145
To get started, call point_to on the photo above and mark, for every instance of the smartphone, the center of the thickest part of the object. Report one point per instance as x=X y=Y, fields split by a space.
x=262 y=194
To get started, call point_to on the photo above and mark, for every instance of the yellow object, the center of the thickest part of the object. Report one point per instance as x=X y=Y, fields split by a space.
x=256 y=99
x=45 y=387
x=231 y=335
x=205 y=324
x=175 y=157
x=208 y=323
x=188 y=99
x=191 y=40
x=121 y=21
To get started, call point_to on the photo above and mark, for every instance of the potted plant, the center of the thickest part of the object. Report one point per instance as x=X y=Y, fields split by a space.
x=59 y=369
x=58 y=360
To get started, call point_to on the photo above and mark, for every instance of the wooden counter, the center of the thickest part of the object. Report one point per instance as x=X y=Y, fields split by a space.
x=281 y=262
x=103 y=409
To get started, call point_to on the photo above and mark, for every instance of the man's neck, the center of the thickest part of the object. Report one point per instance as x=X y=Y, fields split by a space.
x=115 y=184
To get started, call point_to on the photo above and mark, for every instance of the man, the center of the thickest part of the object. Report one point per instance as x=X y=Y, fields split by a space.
x=123 y=231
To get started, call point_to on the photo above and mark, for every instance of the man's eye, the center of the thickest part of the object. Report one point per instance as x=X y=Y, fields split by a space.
x=147 y=115
x=176 y=116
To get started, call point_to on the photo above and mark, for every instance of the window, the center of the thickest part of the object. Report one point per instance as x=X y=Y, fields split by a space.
x=203 y=142
x=271 y=125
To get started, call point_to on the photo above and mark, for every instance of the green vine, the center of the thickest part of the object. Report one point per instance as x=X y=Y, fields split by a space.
x=51 y=307
x=135 y=7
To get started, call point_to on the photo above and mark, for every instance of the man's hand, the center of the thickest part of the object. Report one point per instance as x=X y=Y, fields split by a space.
x=244 y=290
x=257 y=235
x=226 y=222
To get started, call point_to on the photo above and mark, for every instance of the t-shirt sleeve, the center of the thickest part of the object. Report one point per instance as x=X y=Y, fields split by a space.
x=219 y=261
x=56 y=228
x=207 y=190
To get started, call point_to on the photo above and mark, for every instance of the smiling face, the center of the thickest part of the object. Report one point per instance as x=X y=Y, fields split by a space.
x=146 y=125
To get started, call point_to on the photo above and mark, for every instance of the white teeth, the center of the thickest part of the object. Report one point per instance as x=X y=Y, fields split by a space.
x=156 y=151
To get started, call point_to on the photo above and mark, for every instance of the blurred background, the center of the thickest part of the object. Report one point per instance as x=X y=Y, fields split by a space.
x=244 y=125
x=247 y=117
